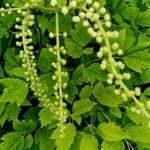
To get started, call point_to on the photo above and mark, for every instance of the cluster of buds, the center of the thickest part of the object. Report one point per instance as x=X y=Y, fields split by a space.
x=24 y=40
x=60 y=78
x=96 y=19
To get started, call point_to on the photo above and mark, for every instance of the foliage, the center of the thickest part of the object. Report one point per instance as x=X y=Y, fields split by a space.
x=74 y=74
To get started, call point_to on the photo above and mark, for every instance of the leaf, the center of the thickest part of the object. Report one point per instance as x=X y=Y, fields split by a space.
x=28 y=141
x=24 y=126
x=84 y=141
x=61 y=3
x=64 y=143
x=81 y=39
x=86 y=92
x=138 y=61
x=18 y=72
x=74 y=50
x=127 y=38
x=112 y=145
x=88 y=142
x=139 y=133
x=106 y=95
x=110 y=132
x=11 y=60
x=115 y=112
x=135 y=117
x=12 y=141
x=144 y=19
x=82 y=106
x=77 y=76
x=6 y=23
x=46 y=117
x=10 y=112
x=42 y=138
x=45 y=60
x=15 y=90
x=94 y=72
x=145 y=76
x=47 y=83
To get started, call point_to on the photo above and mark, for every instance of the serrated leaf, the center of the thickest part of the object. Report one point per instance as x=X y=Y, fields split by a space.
x=24 y=127
x=138 y=61
x=115 y=112
x=94 y=72
x=106 y=95
x=10 y=112
x=139 y=133
x=144 y=19
x=61 y=3
x=74 y=50
x=112 y=145
x=64 y=143
x=86 y=92
x=15 y=90
x=88 y=142
x=12 y=141
x=6 y=23
x=11 y=60
x=46 y=117
x=28 y=141
x=111 y=132
x=42 y=138
x=45 y=60
x=82 y=106
x=81 y=39
x=18 y=72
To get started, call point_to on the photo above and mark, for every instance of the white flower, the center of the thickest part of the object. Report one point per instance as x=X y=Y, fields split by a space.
x=76 y=19
x=64 y=10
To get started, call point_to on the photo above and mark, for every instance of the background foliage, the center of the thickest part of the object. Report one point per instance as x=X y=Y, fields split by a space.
x=99 y=119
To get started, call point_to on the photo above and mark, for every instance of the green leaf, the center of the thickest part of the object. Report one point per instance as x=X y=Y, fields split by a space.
x=64 y=143
x=106 y=95
x=88 y=142
x=144 y=19
x=74 y=50
x=94 y=72
x=11 y=60
x=6 y=23
x=112 y=145
x=77 y=76
x=139 y=133
x=88 y=51
x=61 y=3
x=115 y=112
x=145 y=76
x=46 y=117
x=86 y=92
x=42 y=138
x=138 y=119
x=10 y=112
x=12 y=141
x=28 y=141
x=19 y=88
x=19 y=3
x=18 y=72
x=24 y=127
x=127 y=38
x=47 y=83
x=110 y=132
x=84 y=141
x=81 y=39
x=138 y=61
x=45 y=60
x=82 y=106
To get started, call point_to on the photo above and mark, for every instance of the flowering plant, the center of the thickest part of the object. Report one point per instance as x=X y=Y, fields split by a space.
x=74 y=75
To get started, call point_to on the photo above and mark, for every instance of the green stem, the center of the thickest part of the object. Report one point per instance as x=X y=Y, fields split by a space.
x=59 y=68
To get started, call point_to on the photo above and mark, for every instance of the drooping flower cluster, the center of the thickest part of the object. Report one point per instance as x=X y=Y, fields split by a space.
x=98 y=22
